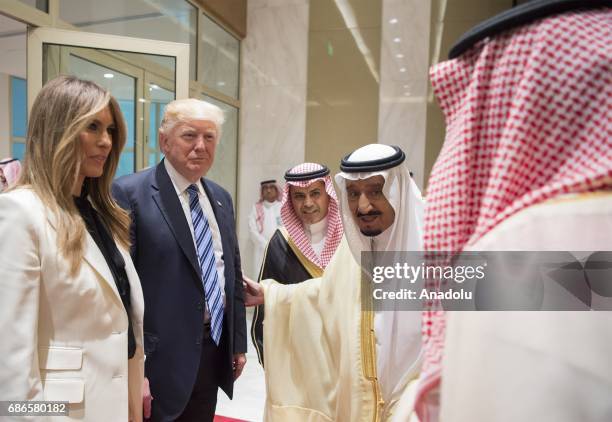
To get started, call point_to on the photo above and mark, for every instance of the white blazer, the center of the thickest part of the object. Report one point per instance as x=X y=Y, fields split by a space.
x=64 y=338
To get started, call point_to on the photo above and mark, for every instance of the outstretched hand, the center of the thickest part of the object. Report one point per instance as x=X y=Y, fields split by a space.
x=253 y=292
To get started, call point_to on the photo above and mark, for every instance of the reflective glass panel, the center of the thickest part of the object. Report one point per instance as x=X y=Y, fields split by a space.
x=165 y=20
x=19 y=107
x=220 y=59
x=13 y=92
x=158 y=98
x=18 y=151
x=224 y=169
x=42 y=5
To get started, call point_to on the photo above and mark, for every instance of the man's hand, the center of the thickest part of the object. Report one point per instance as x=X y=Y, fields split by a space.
x=238 y=364
x=253 y=292
x=146 y=399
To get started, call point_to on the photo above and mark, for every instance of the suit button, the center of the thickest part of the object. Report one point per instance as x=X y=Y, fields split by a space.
x=199 y=306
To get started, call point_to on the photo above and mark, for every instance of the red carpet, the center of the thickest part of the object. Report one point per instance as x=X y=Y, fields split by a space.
x=226 y=419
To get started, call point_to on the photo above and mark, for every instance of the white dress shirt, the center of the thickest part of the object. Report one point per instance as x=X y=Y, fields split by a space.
x=181 y=184
x=317 y=234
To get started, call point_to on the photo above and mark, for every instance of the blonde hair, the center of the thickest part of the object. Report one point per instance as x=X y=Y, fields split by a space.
x=63 y=108
x=179 y=111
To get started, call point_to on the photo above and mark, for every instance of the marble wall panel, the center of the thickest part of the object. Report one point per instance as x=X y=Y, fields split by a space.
x=273 y=101
x=404 y=79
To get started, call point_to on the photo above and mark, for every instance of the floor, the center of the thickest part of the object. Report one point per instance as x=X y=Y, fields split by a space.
x=249 y=389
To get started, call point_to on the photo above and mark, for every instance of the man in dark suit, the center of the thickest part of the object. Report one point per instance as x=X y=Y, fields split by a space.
x=185 y=250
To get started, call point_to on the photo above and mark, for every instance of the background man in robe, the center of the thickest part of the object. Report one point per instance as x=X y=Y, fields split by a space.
x=311 y=234
x=326 y=359
x=10 y=169
x=526 y=166
x=264 y=219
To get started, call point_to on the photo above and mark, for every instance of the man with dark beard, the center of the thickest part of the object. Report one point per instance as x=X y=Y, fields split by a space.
x=326 y=357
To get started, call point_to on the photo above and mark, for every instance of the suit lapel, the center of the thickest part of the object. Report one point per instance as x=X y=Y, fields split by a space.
x=216 y=205
x=93 y=256
x=170 y=207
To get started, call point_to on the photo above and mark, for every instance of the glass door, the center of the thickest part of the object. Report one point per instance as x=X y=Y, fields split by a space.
x=158 y=93
x=143 y=75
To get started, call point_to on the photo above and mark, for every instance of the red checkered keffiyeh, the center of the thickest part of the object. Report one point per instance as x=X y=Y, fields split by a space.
x=294 y=226
x=529 y=118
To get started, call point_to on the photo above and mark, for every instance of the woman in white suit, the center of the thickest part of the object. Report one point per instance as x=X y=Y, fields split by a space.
x=71 y=304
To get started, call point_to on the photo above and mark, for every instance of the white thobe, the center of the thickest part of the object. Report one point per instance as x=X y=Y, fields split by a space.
x=272 y=221
x=534 y=366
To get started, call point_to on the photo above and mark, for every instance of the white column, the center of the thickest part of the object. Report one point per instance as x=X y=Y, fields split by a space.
x=273 y=101
x=404 y=66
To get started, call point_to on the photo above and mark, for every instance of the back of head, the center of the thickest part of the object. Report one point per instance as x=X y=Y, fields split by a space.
x=528 y=111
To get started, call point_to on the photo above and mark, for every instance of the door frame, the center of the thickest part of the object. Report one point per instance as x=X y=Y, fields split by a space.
x=36 y=37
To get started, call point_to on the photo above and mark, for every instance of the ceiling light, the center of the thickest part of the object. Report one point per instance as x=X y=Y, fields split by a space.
x=397 y=39
x=399 y=55
x=142 y=100
x=393 y=21
x=109 y=75
x=221 y=83
x=406 y=86
x=154 y=86
x=402 y=69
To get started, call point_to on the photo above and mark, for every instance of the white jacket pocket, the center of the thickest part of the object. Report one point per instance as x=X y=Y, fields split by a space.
x=60 y=358
x=61 y=385
x=70 y=390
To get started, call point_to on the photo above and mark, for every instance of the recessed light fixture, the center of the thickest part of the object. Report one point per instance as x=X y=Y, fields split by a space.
x=154 y=86
x=221 y=83
x=397 y=39
x=402 y=69
x=407 y=93
x=109 y=75
x=142 y=100
x=399 y=55
x=393 y=21
x=406 y=86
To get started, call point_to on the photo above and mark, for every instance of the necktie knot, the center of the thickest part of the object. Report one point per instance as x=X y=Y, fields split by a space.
x=192 y=190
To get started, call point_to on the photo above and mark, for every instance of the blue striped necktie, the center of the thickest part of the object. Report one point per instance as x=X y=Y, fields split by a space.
x=206 y=256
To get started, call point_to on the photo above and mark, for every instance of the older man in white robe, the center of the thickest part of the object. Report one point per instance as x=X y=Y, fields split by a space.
x=329 y=359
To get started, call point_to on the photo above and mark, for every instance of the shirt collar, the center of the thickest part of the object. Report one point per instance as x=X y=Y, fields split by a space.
x=179 y=181
x=317 y=228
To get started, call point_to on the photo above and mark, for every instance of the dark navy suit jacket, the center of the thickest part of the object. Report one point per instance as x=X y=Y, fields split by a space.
x=165 y=258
